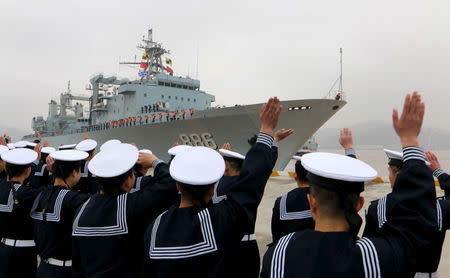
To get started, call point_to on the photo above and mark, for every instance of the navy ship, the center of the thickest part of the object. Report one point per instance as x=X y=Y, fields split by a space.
x=159 y=108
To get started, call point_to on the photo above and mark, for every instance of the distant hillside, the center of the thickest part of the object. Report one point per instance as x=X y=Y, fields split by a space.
x=371 y=135
x=16 y=134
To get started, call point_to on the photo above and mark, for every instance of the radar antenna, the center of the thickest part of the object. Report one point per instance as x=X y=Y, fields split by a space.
x=151 y=63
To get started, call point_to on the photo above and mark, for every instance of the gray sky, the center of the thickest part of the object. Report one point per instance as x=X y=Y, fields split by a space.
x=248 y=50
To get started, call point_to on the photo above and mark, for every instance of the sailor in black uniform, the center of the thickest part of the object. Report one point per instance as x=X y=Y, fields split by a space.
x=53 y=212
x=88 y=183
x=41 y=175
x=291 y=212
x=332 y=250
x=18 y=257
x=3 y=175
x=199 y=238
x=109 y=227
x=439 y=173
x=379 y=212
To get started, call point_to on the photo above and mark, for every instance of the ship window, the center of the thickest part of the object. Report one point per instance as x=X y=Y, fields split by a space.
x=182 y=98
x=160 y=83
x=179 y=86
x=191 y=88
x=162 y=96
x=173 y=85
x=189 y=99
x=176 y=98
x=195 y=100
x=170 y=97
x=145 y=95
x=167 y=84
x=184 y=87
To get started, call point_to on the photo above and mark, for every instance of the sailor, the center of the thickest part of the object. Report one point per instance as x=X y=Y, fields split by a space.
x=53 y=212
x=41 y=175
x=439 y=173
x=3 y=175
x=18 y=257
x=108 y=228
x=88 y=183
x=331 y=250
x=199 y=238
x=379 y=212
x=291 y=212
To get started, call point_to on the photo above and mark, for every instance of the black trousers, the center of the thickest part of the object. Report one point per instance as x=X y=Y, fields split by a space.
x=46 y=270
x=17 y=261
x=247 y=261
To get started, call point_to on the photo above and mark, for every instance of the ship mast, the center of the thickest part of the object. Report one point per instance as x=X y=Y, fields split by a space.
x=151 y=58
x=340 y=90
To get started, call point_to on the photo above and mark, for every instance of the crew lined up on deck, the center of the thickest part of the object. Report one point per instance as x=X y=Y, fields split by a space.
x=88 y=214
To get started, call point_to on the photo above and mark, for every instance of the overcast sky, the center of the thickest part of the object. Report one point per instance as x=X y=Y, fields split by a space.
x=248 y=50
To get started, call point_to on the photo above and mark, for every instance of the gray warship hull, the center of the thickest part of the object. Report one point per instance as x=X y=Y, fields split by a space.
x=213 y=127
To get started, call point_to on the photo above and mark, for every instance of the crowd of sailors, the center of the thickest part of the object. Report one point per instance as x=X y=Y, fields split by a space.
x=75 y=212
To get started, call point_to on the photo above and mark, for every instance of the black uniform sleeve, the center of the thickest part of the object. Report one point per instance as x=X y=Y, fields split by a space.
x=266 y=263
x=276 y=223
x=371 y=227
x=444 y=214
x=444 y=181
x=413 y=201
x=274 y=153
x=157 y=196
x=245 y=195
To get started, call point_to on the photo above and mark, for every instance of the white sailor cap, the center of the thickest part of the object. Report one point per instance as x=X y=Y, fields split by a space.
x=48 y=150
x=146 y=151
x=3 y=149
x=31 y=144
x=178 y=149
x=21 y=144
x=197 y=166
x=298 y=158
x=67 y=147
x=396 y=158
x=109 y=143
x=231 y=154
x=114 y=162
x=69 y=155
x=20 y=156
x=10 y=146
x=337 y=172
x=86 y=145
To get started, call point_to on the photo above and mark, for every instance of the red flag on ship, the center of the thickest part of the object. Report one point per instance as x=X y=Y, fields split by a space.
x=169 y=69
x=144 y=65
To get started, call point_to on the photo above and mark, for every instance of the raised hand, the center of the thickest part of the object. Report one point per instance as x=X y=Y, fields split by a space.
x=434 y=162
x=2 y=141
x=282 y=134
x=346 y=139
x=50 y=162
x=408 y=125
x=226 y=146
x=146 y=159
x=38 y=149
x=269 y=115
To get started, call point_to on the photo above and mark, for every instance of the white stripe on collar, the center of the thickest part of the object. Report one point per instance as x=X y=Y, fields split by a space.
x=137 y=185
x=279 y=257
x=208 y=245
x=292 y=215
x=8 y=207
x=217 y=199
x=369 y=256
x=41 y=172
x=55 y=216
x=120 y=228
